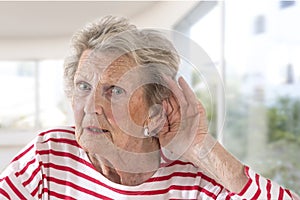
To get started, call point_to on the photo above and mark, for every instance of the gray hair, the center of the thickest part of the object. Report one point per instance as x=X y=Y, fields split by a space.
x=147 y=47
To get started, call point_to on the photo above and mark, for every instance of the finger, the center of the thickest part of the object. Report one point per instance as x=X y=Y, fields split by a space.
x=173 y=115
x=176 y=90
x=203 y=126
x=173 y=111
x=187 y=91
x=201 y=108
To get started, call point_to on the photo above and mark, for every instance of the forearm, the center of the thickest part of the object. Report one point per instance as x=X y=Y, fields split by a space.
x=213 y=158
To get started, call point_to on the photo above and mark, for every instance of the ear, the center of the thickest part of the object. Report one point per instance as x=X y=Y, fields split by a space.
x=157 y=119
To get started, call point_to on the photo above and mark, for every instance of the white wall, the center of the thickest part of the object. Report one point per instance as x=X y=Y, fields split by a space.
x=33 y=49
x=162 y=15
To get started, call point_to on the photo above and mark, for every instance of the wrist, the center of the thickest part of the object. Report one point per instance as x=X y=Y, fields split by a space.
x=211 y=157
x=202 y=146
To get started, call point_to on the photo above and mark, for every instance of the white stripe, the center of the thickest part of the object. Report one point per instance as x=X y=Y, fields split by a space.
x=20 y=187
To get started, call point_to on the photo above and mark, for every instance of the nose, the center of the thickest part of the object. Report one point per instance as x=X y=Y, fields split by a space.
x=94 y=104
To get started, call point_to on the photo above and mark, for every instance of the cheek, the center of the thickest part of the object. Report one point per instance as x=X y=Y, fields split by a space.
x=113 y=116
x=78 y=110
x=138 y=109
x=78 y=116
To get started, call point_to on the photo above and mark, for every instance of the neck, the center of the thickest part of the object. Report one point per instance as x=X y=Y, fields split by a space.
x=128 y=168
x=123 y=176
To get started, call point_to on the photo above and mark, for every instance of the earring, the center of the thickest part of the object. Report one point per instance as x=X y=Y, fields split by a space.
x=146 y=131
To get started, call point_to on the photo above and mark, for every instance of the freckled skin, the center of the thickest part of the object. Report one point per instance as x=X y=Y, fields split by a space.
x=94 y=108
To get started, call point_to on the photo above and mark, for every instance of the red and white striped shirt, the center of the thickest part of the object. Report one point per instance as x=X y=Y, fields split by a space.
x=54 y=166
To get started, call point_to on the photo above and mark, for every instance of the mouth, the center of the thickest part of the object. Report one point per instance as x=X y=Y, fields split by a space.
x=96 y=130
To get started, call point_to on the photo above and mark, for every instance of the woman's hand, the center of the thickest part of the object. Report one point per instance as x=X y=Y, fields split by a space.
x=185 y=125
x=185 y=133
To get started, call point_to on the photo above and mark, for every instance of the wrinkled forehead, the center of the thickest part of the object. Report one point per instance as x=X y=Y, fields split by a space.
x=107 y=66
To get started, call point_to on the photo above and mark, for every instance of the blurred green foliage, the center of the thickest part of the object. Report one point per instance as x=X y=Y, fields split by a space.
x=284 y=120
x=282 y=154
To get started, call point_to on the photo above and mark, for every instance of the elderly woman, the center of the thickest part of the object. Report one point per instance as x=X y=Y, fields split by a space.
x=138 y=132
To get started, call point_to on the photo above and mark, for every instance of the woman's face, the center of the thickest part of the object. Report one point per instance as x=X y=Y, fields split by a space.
x=109 y=114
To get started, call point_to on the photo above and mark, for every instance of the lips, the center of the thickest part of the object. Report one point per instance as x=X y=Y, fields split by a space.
x=96 y=130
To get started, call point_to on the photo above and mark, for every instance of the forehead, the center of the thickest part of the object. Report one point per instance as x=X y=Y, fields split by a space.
x=107 y=66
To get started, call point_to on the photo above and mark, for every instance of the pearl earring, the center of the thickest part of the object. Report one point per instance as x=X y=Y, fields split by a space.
x=146 y=131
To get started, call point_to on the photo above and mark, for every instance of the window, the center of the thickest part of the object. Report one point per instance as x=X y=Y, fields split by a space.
x=18 y=95
x=205 y=76
x=31 y=98
x=261 y=73
x=32 y=95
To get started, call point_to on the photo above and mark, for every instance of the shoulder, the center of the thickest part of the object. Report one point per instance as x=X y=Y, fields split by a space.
x=59 y=132
x=56 y=141
x=26 y=171
x=56 y=136
x=44 y=141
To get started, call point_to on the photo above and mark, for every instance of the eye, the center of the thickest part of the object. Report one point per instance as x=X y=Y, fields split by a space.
x=117 y=91
x=83 y=86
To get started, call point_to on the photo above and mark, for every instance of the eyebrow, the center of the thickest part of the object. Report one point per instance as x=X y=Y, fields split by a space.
x=81 y=75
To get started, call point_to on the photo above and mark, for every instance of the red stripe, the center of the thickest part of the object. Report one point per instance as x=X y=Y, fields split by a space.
x=63 y=140
x=56 y=130
x=288 y=192
x=178 y=187
x=257 y=180
x=153 y=192
x=22 y=154
x=4 y=193
x=65 y=154
x=228 y=197
x=280 y=197
x=174 y=174
x=269 y=189
x=179 y=162
x=34 y=173
x=247 y=184
x=25 y=168
x=208 y=193
x=33 y=193
x=180 y=199
x=212 y=181
x=60 y=196
x=11 y=185
x=41 y=134
x=44 y=190
x=76 y=187
x=185 y=174
x=258 y=192
x=52 y=193
x=245 y=188
x=93 y=180
x=176 y=162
